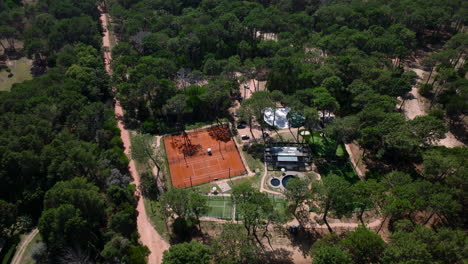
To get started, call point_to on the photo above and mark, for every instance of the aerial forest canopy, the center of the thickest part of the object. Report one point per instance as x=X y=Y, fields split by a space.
x=61 y=161
x=180 y=63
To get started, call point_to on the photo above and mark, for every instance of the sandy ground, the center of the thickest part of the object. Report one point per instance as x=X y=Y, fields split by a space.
x=416 y=105
x=337 y=223
x=355 y=156
x=148 y=235
x=252 y=83
x=21 y=70
x=22 y=247
x=450 y=141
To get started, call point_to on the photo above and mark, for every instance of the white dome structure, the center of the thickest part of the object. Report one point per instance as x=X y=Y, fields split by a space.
x=277 y=118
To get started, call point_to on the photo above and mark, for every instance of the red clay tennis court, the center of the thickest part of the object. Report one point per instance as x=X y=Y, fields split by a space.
x=198 y=166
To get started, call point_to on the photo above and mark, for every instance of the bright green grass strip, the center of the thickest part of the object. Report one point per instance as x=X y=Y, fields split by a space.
x=340 y=152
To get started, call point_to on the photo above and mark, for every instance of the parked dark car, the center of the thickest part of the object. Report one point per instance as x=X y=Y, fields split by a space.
x=241 y=125
x=245 y=137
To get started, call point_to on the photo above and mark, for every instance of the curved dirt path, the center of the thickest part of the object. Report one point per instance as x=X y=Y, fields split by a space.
x=262 y=183
x=148 y=235
x=22 y=247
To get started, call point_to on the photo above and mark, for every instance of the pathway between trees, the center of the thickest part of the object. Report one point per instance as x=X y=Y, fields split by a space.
x=148 y=235
x=17 y=259
x=416 y=104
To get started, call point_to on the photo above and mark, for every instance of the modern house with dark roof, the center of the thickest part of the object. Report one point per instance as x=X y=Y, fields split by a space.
x=290 y=156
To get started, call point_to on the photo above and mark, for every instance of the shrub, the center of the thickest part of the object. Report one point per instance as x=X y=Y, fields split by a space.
x=425 y=90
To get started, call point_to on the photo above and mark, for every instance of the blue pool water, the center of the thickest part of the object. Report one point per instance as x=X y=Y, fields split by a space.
x=286 y=179
x=275 y=182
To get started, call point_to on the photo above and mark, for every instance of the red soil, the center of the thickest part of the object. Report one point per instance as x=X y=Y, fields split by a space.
x=198 y=166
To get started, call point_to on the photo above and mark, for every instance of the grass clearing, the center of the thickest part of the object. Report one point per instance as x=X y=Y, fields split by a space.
x=27 y=256
x=331 y=157
x=153 y=208
x=253 y=181
x=253 y=163
x=341 y=168
x=164 y=164
x=203 y=124
x=157 y=218
x=21 y=70
x=204 y=188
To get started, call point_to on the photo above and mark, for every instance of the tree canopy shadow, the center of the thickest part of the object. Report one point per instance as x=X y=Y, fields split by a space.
x=276 y=256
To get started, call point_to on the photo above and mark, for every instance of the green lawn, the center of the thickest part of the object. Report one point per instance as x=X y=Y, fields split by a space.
x=341 y=168
x=204 y=188
x=253 y=163
x=253 y=181
x=330 y=157
x=219 y=207
x=202 y=124
x=323 y=146
x=21 y=70
x=340 y=151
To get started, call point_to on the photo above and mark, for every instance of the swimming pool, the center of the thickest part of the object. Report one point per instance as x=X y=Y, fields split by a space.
x=285 y=180
x=275 y=182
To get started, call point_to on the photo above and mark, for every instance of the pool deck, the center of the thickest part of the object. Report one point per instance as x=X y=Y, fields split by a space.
x=280 y=178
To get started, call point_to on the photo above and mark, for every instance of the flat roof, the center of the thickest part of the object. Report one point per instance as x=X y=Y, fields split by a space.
x=290 y=158
x=287 y=151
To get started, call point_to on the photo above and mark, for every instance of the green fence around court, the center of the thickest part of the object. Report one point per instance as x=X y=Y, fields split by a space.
x=280 y=205
x=219 y=207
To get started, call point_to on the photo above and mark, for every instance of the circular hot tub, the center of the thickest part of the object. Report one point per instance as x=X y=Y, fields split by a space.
x=286 y=179
x=275 y=182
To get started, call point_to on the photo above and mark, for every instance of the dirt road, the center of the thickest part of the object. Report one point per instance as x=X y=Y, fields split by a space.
x=416 y=105
x=148 y=235
x=17 y=259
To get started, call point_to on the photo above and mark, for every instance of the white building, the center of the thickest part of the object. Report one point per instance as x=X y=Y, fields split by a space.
x=277 y=118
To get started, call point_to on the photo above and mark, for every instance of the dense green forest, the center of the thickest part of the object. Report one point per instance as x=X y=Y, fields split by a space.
x=181 y=62
x=61 y=161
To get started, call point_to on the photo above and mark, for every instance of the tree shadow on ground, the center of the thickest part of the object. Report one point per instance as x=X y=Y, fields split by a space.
x=183 y=230
x=276 y=256
x=303 y=240
x=459 y=130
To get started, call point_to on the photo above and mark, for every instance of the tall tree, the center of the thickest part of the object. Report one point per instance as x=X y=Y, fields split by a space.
x=364 y=245
x=234 y=246
x=297 y=192
x=254 y=207
x=143 y=148
x=332 y=195
x=189 y=253
x=331 y=255
x=367 y=195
